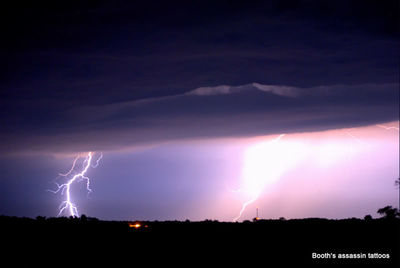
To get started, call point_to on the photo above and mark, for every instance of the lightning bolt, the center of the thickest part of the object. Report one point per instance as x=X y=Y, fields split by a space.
x=65 y=188
x=388 y=128
x=348 y=133
x=255 y=197
x=245 y=204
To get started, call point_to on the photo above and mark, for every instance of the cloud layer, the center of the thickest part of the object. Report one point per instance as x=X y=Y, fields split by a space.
x=208 y=112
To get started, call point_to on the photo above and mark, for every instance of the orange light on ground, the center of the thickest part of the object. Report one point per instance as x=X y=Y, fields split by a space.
x=135 y=225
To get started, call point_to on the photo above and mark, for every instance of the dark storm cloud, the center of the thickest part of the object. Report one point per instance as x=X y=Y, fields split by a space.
x=210 y=112
x=76 y=73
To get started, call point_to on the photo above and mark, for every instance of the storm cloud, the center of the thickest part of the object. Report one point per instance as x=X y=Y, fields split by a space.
x=210 y=112
x=83 y=75
x=185 y=81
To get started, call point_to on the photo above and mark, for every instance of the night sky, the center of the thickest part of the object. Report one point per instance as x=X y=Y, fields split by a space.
x=187 y=101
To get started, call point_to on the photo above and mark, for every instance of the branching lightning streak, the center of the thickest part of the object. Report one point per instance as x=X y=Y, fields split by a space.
x=388 y=128
x=378 y=125
x=255 y=197
x=98 y=160
x=348 y=133
x=245 y=204
x=72 y=168
x=67 y=204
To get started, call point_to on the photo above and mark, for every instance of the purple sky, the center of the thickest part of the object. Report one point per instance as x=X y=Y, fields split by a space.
x=187 y=101
x=334 y=174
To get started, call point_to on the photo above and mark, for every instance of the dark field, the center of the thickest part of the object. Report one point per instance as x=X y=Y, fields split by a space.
x=89 y=241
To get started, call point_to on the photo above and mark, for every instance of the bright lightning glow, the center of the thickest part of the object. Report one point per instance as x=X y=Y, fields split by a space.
x=267 y=161
x=264 y=163
x=67 y=204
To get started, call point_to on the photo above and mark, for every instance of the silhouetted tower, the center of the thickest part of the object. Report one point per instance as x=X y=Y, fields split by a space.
x=397 y=183
x=256 y=218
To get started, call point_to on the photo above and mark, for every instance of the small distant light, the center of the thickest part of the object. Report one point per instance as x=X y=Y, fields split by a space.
x=135 y=225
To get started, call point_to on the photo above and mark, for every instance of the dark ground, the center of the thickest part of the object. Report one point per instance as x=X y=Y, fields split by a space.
x=57 y=241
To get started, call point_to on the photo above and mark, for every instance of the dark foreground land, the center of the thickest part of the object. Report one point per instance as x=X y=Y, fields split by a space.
x=91 y=241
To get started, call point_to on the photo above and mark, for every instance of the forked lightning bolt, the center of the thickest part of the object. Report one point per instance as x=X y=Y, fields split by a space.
x=255 y=196
x=65 y=188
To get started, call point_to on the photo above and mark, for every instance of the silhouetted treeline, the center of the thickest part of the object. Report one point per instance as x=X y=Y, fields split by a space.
x=264 y=240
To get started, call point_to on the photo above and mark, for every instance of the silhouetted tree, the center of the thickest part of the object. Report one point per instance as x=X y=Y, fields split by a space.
x=40 y=218
x=83 y=218
x=389 y=212
x=368 y=217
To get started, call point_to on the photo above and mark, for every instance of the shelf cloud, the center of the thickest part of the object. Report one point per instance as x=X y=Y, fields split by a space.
x=210 y=112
